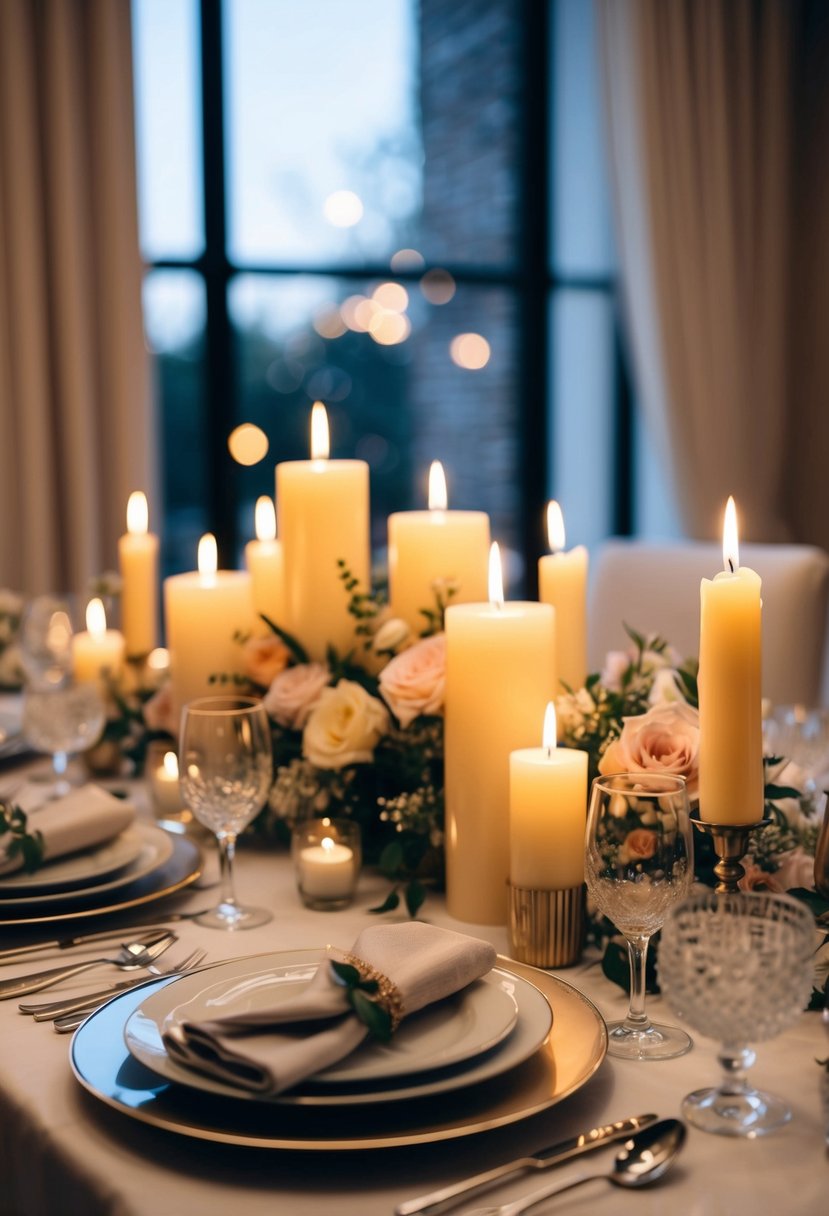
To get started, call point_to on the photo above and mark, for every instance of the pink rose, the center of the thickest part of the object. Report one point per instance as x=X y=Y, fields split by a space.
x=638 y=845
x=160 y=712
x=664 y=740
x=414 y=682
x=756 y=879
x=264 y=659
x=295 y=692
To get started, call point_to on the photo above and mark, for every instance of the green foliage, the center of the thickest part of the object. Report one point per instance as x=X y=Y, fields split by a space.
x=359 y=993
x=28 y=846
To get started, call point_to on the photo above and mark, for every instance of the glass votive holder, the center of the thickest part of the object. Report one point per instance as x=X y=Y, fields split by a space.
x=327 y=857
x=161 y=772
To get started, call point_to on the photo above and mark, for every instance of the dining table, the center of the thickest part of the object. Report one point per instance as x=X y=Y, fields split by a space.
x=63 y=1150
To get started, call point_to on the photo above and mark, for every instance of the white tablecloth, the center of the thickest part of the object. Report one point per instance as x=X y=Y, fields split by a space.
x=62 y=1152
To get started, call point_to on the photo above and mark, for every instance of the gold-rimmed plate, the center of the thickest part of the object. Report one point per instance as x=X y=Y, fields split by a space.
x=182 y=868
x=566 y=1060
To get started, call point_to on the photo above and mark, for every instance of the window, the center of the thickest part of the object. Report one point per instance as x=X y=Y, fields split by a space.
x=333 y=198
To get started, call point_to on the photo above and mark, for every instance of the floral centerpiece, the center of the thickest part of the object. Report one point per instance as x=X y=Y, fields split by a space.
x=640 y=714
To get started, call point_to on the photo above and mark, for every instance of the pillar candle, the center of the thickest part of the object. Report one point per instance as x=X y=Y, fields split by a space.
x=138 y=562
x=203 y=611
x=499 y=659
x=264 y=560
x=98 y=652
x=730 y=706
x=562 y=582
x=425 y=546
x=323 y=512
x=548 y=813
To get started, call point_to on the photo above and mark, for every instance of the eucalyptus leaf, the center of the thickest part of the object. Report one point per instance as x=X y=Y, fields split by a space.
x=374 y=1016
x=389 y=904
x=296 y=648
x=346 y=974
x=414 y=894
x=392 y=859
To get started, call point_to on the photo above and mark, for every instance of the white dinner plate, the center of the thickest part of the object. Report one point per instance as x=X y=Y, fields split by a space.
x=430 y=1053
x=156 y=848
x=86 y=868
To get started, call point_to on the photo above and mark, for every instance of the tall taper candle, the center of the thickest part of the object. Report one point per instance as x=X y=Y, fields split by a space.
x=138 y=560
x=265 y=563
x=499 y=660
x=730 y=706
x=562 y=582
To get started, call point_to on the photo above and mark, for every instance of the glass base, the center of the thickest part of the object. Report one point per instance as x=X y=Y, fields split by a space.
x=233 y=917
x=748 y=1113
x=655 y=1042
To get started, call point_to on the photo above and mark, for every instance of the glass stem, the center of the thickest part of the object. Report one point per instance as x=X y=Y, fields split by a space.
x=227 y=851
x=636 y=1018
x=735 y=1061
x=60 y=763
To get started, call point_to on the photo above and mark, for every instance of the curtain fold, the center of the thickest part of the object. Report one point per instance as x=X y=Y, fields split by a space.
x=75 y=412
x=699 y=105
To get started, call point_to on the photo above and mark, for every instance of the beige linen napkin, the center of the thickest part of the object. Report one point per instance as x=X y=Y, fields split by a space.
x=87 y=817
x=272 y=1050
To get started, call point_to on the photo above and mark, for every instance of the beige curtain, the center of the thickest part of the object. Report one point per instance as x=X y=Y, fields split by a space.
x=75 y=426
x=699 y=100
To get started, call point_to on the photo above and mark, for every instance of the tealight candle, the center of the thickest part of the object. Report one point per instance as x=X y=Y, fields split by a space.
x=326 y=855
x=164 y=785
x=427 y=546
x=264 y=560
x=548 y=813
x=98 y=652
x=138 y=561
x=562 y=582
x=499 y=662
x=730 y=702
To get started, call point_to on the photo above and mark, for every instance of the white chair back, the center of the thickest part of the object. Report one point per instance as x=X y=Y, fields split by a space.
x=654 y=587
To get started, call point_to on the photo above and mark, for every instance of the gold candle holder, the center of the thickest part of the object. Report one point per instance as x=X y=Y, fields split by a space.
x=546 y=928
x=730 y=841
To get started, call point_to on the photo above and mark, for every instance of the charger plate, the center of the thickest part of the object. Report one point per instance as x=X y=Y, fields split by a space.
x=181 y=869
x=566 y=1060
x=450 y=1045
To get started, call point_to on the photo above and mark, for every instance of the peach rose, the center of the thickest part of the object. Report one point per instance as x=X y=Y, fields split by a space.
x=638 y=845
x=264 y=659
x=414 y=682
x=757 y=879
x=664 y=740
x=160 y=712
x=295 y=692
x=344 y=727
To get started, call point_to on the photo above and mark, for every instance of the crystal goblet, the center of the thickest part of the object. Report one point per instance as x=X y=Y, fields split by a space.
x=226 y=769
x=638 y=862
x=738 y=967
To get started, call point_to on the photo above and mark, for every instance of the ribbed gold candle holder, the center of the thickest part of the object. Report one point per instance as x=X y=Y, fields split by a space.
x=546 y=928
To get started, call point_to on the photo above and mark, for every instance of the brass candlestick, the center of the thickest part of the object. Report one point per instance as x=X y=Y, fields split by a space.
x=730 y=841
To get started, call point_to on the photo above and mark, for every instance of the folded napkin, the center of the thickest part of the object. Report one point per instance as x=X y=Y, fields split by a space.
x=272 y=1050
x=81 y=820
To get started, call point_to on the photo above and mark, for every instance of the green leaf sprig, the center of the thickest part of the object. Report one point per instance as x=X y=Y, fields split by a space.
x=361 y=995
x=24 y=844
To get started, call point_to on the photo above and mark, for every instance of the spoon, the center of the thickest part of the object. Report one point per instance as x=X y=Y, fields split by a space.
x=130 y=957
x=644 y=1158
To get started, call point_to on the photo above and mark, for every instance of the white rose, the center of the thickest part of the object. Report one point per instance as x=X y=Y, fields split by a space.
x=295 y=692
x=616 y=664
x=666 y=688
x=391 y=635
x=344 y=727
x=795 y=869
x=414 y=682
x=664 y=740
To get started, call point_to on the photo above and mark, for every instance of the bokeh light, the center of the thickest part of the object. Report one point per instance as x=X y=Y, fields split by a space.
x=470 y=351
x=407 y=259
x=388 y=328
x=392 y=296
x=438 y=286
x=248 y=444
x=343 y=209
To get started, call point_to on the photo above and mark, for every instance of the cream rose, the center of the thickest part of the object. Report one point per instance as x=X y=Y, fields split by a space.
x=344 y=727
x=414 y=682
x=295 y=692
x=664 y=740
x=264 y=659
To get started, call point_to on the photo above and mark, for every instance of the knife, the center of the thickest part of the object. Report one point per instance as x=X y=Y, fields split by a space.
x=16 y=953
x=597 y=1137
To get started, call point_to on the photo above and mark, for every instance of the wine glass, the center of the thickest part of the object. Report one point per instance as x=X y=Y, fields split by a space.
x=226 y=769
x=738 y=967
x=801 y=735
x=639 y=861
x=60 y=715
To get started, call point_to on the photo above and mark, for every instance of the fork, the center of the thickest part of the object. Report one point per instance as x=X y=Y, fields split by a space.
x=48 y=1011
x=71 y=1021
x=130 y=957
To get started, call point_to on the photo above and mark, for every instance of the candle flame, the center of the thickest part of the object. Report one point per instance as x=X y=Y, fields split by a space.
x=549 y=737
x=208 y=557
x=96 y=618
x=320 y=442
x=438 y=499
x=327 y=844
x=171 y=764
x=730 y=544
x=265 y=517
x=555 y=526
x=496 y=577
x=137 y=514
x=158 y=659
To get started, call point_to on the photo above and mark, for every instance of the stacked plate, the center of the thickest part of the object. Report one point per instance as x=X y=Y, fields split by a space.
x=141 y=864
x=510 y=1045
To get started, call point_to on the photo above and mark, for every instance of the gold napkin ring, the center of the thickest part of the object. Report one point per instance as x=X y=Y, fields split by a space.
x=387 y=995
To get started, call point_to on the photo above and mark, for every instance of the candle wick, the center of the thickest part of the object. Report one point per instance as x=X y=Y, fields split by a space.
x=550 y=752
x=731 y=564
